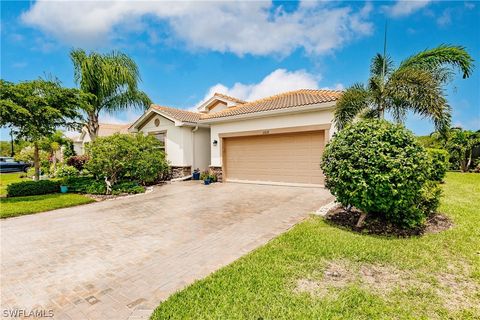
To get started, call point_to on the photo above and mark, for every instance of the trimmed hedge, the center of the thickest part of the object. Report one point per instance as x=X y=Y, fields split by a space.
x=31 y=188
x=380 y=168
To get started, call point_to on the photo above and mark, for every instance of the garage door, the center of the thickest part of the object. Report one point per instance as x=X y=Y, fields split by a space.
x=286 y=158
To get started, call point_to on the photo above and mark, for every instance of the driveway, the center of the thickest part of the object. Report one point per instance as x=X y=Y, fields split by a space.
x=119 y=259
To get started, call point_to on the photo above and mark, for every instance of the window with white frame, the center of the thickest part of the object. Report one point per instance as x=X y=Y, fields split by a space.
x=160 y=136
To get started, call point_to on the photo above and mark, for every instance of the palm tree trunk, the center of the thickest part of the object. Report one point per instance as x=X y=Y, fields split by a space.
x=93 y=125
x=36 y=161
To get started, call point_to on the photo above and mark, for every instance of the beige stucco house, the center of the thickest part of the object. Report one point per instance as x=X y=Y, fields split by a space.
x=274 y=140
x=104 y=130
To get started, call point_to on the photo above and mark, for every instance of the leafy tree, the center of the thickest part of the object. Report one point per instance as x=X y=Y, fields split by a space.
x=460 y=144
x=415 y=85
x=126 y=156
x=111 y=79
x=35 y=109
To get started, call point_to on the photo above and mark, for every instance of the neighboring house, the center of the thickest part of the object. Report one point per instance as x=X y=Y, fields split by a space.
x=104 y=130
x=274 y=140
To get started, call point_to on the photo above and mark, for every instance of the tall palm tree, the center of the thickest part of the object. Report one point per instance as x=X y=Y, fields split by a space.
x=111 y=82
x=416 y=85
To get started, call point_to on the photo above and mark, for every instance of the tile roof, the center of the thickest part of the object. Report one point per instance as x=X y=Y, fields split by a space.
x=284 y=100
x=221 y=95
x=107 y=129
x=179 y=114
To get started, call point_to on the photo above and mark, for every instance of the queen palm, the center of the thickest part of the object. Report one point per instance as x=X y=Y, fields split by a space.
x=111 y=82
x=415 y=85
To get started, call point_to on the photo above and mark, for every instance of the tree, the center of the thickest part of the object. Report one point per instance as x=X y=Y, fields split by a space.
x=460 y=144
x=35 y=109
x=416 y=85
x=111 y=79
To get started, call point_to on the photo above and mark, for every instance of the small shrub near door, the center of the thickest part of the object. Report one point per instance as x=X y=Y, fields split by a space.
x=30 y=188
x=380 y=169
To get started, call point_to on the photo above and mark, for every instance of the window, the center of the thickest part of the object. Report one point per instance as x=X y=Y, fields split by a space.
x=160 y=136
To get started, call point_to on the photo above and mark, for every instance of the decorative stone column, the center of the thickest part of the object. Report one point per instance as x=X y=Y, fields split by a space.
x=180 y=171
x=218 y=172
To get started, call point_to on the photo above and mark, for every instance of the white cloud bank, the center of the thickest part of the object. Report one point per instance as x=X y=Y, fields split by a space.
x=278 y=81
x=247 y=27
x=404 y=8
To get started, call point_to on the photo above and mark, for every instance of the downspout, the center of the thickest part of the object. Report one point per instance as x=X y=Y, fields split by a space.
x=193 y=147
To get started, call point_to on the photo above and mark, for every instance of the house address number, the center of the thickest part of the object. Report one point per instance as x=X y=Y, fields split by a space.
x=266 y=132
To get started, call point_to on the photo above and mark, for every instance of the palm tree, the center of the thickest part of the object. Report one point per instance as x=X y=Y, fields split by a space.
x=111 y=83
x=416 y=85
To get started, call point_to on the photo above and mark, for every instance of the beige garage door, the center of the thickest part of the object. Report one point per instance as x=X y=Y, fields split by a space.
x=287 y=158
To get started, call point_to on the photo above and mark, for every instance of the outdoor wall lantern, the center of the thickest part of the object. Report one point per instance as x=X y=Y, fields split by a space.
x=215 y=142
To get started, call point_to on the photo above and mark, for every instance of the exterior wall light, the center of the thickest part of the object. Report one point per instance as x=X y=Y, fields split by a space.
x=215 y=142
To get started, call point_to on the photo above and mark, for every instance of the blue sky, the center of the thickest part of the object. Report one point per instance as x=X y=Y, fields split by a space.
x=188 y=50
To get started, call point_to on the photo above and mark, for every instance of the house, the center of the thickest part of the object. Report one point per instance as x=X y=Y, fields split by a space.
x=104 y=130
x=274 y=140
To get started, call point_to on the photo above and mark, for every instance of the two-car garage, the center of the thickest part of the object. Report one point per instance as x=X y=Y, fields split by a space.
x=290 y=158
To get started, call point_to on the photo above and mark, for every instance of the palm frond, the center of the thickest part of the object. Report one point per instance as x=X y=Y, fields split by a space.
x=376 y=67
x=442 y=56
x=353 y=101
x=417 y=90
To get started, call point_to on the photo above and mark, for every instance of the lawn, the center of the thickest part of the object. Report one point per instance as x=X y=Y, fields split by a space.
x=318 y=271
x=6 y=179
x=17 y=206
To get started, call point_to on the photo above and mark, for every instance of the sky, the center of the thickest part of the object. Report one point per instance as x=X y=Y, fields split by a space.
x=186 y=51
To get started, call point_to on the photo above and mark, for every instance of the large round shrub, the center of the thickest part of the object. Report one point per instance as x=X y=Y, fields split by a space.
x=379 y=168
x=134 y=157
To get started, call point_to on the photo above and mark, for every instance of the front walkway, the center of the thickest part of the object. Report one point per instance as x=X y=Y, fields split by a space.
x=119 y=259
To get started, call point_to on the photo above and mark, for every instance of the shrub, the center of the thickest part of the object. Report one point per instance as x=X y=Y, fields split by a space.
x=66 y=171
x=30 y=188
x=127 y=156
x=77 y=161
x=85 y=185
x=379 y=168
x=439 y=163
x=430 y=197
x=92 y=186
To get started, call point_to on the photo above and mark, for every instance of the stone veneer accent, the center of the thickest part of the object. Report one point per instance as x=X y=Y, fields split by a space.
x=218 y=171
x=180 y=171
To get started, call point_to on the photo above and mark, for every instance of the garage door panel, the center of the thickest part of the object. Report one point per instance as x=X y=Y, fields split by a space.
x=289 y=158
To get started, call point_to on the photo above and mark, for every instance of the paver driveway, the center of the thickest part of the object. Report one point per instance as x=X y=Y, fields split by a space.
x=119 y=259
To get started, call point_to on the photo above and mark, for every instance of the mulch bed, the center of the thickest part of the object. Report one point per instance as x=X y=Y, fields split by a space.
x=375 y=225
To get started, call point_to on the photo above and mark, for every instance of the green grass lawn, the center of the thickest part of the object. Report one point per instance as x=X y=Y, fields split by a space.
x=17 y=206
x=7 y=178
x=318 y=271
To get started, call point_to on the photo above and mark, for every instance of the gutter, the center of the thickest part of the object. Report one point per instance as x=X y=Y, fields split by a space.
x=269 y=113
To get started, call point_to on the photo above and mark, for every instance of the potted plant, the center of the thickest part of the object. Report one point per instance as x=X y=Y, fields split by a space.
x=205 y=176
x=196 y=174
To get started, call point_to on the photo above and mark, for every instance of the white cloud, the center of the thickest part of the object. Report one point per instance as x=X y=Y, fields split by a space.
x=276 y=82
x=445 y=18
x=405 y=7
x=247 y=27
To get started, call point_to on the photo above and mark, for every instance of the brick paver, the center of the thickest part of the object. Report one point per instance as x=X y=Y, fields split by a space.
x=119 y=259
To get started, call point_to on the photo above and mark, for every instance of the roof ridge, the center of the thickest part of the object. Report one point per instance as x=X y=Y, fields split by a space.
x=229 y=97
x=176 y=109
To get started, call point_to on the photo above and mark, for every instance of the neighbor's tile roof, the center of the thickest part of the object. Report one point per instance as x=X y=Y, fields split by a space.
x=179 y=114
x=108 y=129
x=284 y=100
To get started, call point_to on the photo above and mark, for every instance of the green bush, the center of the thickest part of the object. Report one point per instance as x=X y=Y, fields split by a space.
x=66 y=171
x=92 y=186
x=439 y=163
x=30 y=188
x=430 y=197
x=85 y=185
x=134 y=157
x=379 y=168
